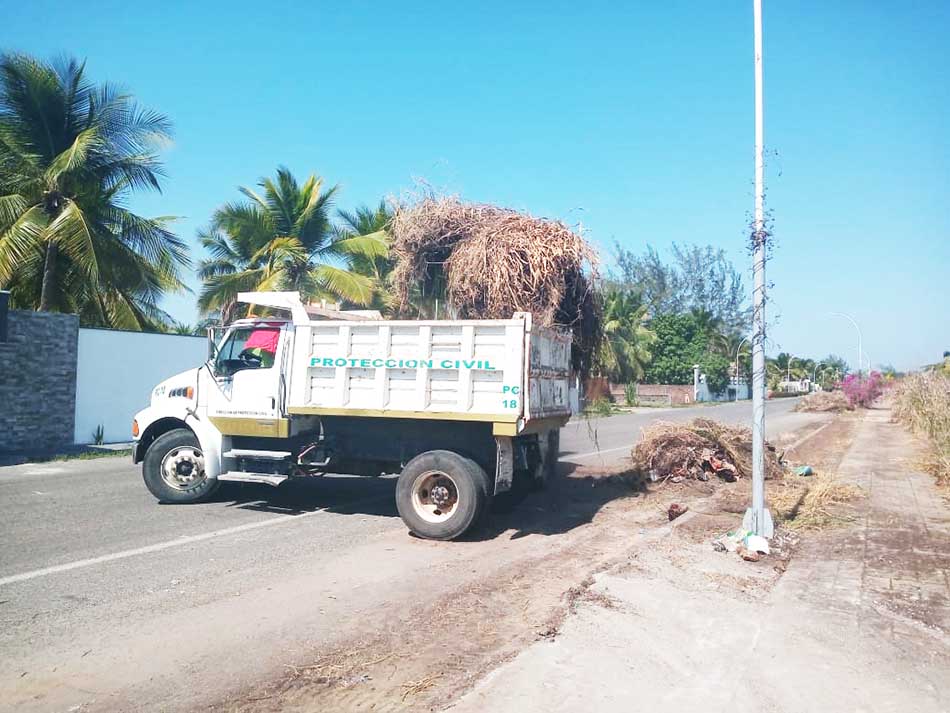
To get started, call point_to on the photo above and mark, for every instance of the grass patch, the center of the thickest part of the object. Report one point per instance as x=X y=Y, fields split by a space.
x=92 y=454
x=922 y=404
x=810 y=503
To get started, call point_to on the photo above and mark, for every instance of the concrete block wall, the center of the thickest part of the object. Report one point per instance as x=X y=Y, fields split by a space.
x=677 y=393
x=38 y=381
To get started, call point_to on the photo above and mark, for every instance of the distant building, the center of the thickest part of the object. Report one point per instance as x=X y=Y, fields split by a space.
x=797 y=386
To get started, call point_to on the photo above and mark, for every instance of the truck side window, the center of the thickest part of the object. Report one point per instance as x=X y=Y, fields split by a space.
x=247 y=348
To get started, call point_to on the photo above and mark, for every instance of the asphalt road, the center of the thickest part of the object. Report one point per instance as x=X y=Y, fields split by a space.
x=109 y=600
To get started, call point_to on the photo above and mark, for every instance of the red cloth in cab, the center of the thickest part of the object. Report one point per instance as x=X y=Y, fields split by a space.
x=265 y=339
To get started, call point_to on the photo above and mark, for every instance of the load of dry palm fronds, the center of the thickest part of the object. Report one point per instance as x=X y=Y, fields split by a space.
x=698 y=449
x=824 y=401
x=487 y=262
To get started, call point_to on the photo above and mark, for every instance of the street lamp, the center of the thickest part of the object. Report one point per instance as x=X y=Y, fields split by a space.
x=788 y=368
x=757 y=518
x=851 y=319
x=738 y=349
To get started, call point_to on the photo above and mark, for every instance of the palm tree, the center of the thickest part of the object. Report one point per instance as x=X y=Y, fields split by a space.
x=71 y=155
x=729 y=344
x=364 y=221
x=282 y=239
x=185 y=329
x=785 y=365
x=625 y=350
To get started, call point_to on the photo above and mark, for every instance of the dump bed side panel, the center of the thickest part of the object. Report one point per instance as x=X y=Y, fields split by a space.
x=548 y=368
x=454 y=368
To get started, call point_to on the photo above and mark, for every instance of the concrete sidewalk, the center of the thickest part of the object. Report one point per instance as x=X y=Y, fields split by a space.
x=859 y=622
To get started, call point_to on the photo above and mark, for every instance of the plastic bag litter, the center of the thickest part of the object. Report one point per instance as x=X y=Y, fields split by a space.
x=742 y=541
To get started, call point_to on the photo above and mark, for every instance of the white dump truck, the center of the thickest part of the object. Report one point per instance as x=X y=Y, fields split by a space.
x=458 y=407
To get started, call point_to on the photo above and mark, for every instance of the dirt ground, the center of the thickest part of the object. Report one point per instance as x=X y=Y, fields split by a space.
x=427 y=657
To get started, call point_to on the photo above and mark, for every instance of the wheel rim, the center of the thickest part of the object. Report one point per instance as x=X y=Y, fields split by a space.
x=435 y=496
x=183 y=468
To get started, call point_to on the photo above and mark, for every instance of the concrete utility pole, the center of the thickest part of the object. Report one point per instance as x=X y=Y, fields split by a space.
x=757 y=518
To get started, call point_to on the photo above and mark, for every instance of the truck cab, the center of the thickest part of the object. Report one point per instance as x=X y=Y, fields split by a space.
x=457 y=407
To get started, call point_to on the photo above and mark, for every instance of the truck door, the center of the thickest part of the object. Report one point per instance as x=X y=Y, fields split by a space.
x=246 y=395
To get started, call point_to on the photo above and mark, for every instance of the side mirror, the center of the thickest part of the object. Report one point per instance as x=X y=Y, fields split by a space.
x=212 y=343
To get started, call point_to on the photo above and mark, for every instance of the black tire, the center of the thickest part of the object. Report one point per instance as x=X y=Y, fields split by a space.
x=167 y=443
x=473 y=492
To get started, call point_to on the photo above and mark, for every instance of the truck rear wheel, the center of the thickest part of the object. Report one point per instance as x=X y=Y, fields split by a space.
x=174 y=469
x=441 y=495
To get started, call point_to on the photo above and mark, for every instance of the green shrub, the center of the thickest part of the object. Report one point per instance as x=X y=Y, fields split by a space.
x=630 y=394
x=601 y=407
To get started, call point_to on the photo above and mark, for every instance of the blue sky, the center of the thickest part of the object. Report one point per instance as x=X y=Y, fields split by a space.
x=634 y=118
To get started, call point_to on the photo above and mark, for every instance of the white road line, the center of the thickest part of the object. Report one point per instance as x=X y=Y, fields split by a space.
x=597 y=453
x=158 y=547
x=804 y=438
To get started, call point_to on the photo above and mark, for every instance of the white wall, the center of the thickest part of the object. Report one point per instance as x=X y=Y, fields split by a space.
x=116 y=372
x=744 y=389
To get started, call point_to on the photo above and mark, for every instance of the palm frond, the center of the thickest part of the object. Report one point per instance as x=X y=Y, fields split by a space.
x=220 y=291
x=11 y=208
x=354 y=288
x=75 y=156
x=370 y=246
x=71 y=231
x=20 y=238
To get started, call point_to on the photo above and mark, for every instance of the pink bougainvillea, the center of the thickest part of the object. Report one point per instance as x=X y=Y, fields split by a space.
x=862 y=390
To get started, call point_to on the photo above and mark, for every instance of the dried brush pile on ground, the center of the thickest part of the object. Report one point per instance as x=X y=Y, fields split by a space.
x=487 y=262
x=812 y=503
x=698 y=449
x=922 y=403
x=824 y=401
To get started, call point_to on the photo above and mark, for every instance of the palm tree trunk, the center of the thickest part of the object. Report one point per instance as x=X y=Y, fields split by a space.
x=46 y=292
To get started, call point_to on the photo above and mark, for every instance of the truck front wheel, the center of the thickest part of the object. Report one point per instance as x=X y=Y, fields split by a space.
x=174 y=469
x=441 y=495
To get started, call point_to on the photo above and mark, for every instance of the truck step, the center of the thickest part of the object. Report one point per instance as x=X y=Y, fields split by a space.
x=242 y=477
x=256 y=455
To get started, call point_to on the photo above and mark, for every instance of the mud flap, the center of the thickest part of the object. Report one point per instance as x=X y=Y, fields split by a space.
x=547 y=441
x=504 y=463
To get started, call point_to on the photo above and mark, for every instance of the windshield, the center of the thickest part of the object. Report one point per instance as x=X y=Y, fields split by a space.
x=247 y=348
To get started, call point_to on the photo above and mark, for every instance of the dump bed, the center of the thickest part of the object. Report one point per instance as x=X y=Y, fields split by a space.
x=502 y=371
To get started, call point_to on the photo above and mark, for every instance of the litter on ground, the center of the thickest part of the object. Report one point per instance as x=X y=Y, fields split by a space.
x=675 y=510
x=746 y=544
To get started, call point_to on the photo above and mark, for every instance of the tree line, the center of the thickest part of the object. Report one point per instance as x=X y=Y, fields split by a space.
x=662 y=316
